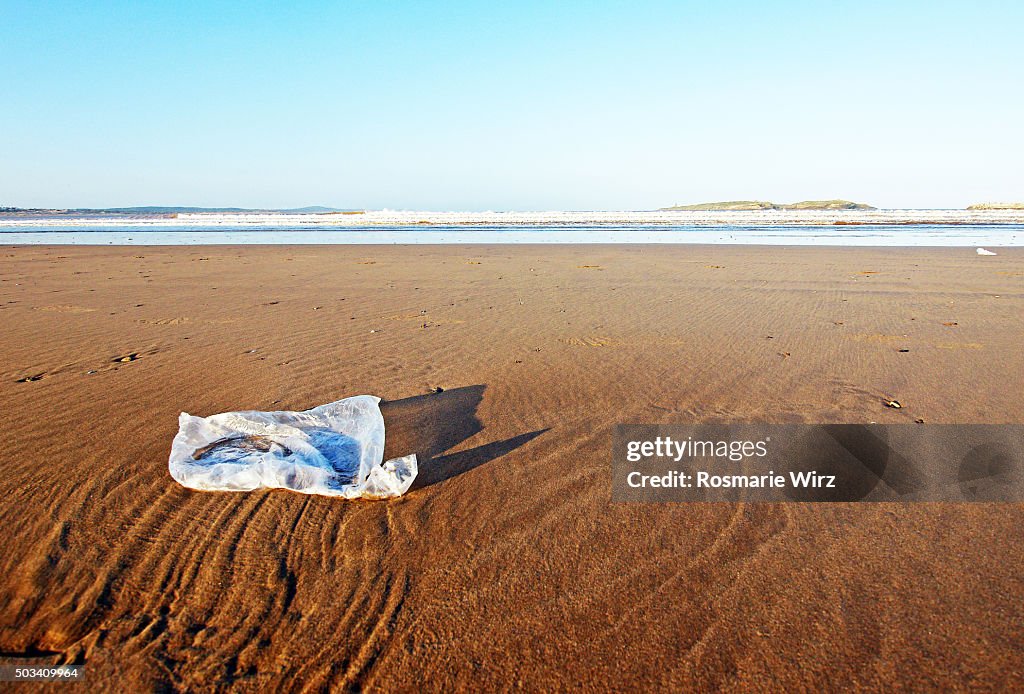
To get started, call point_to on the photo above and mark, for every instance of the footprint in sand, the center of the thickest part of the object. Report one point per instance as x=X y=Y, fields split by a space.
x=408 y=316
x=590 y=341
x=65 y=308
x=845 y=395
x=877 y=337
x=428 y=320
x=165 y=321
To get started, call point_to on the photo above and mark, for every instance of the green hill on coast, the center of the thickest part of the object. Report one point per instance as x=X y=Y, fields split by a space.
x=747 y=205
x=997 y=206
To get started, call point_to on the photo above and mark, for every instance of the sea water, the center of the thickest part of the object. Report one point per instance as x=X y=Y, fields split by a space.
x=930 y=235
x=827 y=228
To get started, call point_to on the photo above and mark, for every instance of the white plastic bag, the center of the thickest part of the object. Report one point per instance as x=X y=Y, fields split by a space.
x=334 y=450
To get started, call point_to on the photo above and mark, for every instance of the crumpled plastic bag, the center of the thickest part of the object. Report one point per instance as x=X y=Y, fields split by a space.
x=333 y=450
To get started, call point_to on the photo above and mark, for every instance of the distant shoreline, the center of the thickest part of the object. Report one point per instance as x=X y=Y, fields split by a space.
x=986 y=206
x=173 y=212
x=756 y=205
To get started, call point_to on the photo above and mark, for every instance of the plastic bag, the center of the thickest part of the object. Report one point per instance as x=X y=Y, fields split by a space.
x=334 y=450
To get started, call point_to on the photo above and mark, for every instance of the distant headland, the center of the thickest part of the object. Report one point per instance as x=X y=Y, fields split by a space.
x=753 y=205
x=997 y=206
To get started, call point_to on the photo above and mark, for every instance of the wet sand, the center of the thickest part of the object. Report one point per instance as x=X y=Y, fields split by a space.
x=506 y=565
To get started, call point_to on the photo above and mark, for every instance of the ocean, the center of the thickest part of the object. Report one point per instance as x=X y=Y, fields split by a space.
x=832 y=228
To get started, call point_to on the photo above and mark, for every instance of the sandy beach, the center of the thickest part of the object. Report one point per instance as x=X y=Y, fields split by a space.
x=506 y=565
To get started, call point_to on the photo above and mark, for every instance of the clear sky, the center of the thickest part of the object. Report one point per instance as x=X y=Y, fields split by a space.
x=510 y=105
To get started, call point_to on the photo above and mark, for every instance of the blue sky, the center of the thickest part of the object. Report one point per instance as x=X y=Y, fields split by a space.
x=519 y=105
